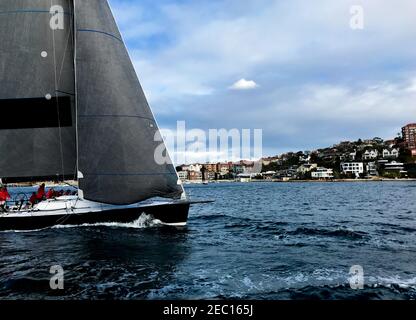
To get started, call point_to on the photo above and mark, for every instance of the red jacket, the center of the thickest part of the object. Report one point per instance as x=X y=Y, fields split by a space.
x=4 y=195
x=50 y=194
x=33 y=199
x=41 y=193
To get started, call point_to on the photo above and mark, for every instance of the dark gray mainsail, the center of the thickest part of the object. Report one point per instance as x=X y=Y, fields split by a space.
x=37 y=134
x=116 y=127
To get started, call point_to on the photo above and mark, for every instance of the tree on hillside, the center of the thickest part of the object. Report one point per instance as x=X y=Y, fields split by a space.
x=405 y=155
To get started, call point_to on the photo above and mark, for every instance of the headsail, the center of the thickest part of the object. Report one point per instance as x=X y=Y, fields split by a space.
x=116 y=127
x=37 y=116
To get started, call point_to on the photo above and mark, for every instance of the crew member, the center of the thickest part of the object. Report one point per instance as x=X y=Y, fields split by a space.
x=41 y=192
x=50 y=194
x=4 y=196
x=33 y=199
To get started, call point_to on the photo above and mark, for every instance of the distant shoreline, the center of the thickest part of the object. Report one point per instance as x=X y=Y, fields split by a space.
x=352 y=180
x=304 y=181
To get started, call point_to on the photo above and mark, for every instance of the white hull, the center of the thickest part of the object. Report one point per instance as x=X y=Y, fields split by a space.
x=70 y=210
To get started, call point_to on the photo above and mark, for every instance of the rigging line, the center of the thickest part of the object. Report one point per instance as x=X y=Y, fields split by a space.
x=64 y=56
x=57 y=102
x=75 y=172
x=70 y=185
x=74 y=39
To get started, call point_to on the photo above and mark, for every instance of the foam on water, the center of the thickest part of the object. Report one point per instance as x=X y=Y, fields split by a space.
x=144 y=221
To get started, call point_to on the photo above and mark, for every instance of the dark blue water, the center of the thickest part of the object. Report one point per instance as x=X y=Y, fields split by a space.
x=257 y=241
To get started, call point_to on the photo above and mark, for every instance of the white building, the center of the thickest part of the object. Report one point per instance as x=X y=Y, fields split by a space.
x=183 y=175
x=323 y=173
x=268 y=174
x=307 y=167
x=370 y=155
x=244 y=177
x=394 y=166
x=195 y=167
x=183 y=167
x=371 y=168
x=391 y=153
x=305 y=158
x=353 y=155
x=356 y=168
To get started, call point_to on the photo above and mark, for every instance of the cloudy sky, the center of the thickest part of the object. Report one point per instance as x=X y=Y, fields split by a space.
x=295 y=69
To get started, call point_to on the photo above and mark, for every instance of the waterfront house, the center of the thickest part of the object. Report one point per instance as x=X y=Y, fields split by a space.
x=287 y=174
x=238 y=168
x=195 y=168
x=210 y=175
x=183 y=175
x=353 y=168
x=307 y=167
x=371 y=169
x=323 y=173
x=269 y=175
x=223 y=168
x=390 y=153
x=349 y=156
x=195 y=175
x=244 y=177
x=394 y=166
x=370 y=155
x=210 y=167
x=352 y=155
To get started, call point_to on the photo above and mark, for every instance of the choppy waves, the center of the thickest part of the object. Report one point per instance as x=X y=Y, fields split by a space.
x=258 y=241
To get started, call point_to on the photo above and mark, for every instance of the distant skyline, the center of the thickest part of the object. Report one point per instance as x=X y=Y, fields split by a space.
x=294 y=69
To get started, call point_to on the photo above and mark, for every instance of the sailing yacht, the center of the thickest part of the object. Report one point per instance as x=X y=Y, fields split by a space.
x=72 y=107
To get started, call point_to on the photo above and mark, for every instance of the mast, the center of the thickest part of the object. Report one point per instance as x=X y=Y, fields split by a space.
x=74 y=30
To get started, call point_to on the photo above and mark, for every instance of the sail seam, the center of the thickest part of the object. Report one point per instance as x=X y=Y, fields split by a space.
x=64 y=92
x=102 y=32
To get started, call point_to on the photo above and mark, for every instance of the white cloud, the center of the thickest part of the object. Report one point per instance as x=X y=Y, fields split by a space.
x=412 y=86
x=209 y=44
x=244 y=84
